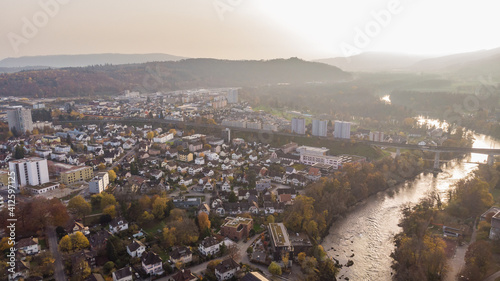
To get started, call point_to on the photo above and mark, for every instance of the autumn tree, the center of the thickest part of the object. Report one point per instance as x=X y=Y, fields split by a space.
x=112 y=175
x=79 y=241
x=79 y=206
x=159 y=206
x=110 y=210
x=477 y=260
x=203 y=221
x=65 y=244
x=150 y=135
x=274 y=269
x=107 y=200
x=168 y=236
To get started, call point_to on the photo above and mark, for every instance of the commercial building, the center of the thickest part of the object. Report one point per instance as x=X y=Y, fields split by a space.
x=319 y=128
x=84 y=173
x=237 y=228
x=99 y=183
x=342 y=130
x=299 y=126
x=314 y=155
x=20 y=120
x=29 y=171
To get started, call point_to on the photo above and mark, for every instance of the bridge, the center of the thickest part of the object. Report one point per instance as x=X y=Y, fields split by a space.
x=436 y=149
x=491 y=152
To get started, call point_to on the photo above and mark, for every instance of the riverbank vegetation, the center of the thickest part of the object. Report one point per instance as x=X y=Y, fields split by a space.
x=421 y=248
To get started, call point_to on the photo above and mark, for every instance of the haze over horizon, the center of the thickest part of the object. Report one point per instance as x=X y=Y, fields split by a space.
x=238 y=29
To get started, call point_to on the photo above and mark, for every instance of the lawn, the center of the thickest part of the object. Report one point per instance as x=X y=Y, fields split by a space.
x=153 y=229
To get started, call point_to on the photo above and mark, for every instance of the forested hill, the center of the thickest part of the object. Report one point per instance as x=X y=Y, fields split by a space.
x=165 y=76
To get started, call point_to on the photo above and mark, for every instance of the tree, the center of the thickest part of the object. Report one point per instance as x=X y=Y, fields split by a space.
x=65 y=244
x=274 y=269
x=159 y=206
x=150 y=135
x=108 y=267
x=106 y=200
x=232 y=197
x=19 y=152
x=101 y=167
x=112 y=175
x=172 y=131
x=81 y=271
x=145 y=202
x=146 y=218
x=270 y=219
x=477 y=260
x=110 y=210
x=111 y=251
x=169 y=237
x=79 y=241
x=203 y=221
x=79 y=206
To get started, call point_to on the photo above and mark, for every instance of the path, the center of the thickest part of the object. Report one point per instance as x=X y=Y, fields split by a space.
x=58 y=265
x=458 y=261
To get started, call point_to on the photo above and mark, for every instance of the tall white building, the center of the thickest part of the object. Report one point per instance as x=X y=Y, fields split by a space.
x=299 y=126
x=319 y=127
x=20 y=119
x=99 y=183
x=342 y=130
x=232 y=96
x=29 y=171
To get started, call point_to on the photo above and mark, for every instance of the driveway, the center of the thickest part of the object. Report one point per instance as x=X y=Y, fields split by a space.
x=58 y=264
x=458 y=261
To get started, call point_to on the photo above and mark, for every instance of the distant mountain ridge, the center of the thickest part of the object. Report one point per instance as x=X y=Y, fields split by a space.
x=85 y=60
x=373 y=62
x=166 y=76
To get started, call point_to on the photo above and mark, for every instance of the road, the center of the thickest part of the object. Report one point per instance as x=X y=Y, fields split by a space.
x=58 y=264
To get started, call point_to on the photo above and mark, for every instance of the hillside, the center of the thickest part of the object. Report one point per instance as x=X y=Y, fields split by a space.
x=85 y=60
x=373 y=62
x=165 y=76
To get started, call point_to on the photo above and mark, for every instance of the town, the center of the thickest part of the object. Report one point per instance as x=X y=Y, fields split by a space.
x=161 y=202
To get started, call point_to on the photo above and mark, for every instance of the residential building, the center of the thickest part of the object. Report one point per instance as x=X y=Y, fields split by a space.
x=43 y=188
x=254 y=276
x=20 y=120
x=136 y=248
x=29 y=171
x=118 y=225
x=236 y=228
x=209 y=246
x=342 y=130
x=75 y=174
x=184 y=275
x=226 y=135
x=152 y=263
x=280 y=241
x=29 y=246
x=185 y=156
x=181 y=254
x=319 y=127
x=299 y=126
x=99 y=183
x=226 y=269
x=232 y=96
x=377 y=136
x=124 y=274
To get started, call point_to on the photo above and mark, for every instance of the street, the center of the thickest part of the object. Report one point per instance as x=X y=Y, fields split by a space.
x=58 y=265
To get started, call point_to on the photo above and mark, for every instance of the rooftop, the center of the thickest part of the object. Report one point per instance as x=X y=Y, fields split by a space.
x=234 y=222
x=279 y=235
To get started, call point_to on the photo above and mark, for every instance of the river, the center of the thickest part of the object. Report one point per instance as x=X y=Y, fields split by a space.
x=366 y=234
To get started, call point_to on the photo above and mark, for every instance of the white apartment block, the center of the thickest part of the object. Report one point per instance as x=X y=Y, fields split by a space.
x=29 y=171
x=20 y=119
x=99 y=183
x=342 y=130
x=319 y=128
x=299 y=126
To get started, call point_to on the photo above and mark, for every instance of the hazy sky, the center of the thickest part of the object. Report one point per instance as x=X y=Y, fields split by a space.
x=246 y=29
